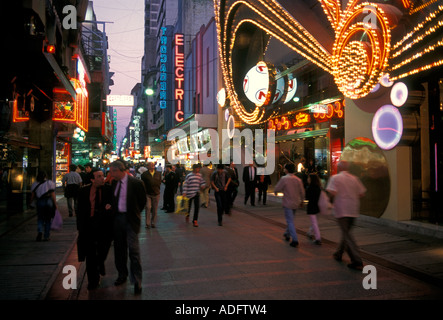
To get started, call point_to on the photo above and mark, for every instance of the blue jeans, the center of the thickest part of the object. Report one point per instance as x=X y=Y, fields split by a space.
x=290 y=230
x=44 y=226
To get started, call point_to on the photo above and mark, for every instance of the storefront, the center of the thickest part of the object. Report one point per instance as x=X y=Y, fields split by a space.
x=189 y=148
x=312 y=138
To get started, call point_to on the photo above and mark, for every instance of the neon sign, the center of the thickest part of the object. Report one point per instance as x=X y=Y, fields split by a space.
x=387 y=127
x=326 y=112
x=179 y=75
x=163 y=69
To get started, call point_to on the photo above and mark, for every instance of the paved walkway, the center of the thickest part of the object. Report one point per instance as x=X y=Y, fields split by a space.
x=245 y=259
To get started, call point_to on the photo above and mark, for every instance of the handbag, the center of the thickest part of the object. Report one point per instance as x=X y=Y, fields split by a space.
x=324 y=204
x=182 y=205
x=57 y=222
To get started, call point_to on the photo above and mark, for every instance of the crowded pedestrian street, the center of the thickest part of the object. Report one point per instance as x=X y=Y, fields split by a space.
x=245 y=259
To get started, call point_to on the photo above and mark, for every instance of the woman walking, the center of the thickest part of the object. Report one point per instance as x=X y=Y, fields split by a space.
x=44 y=191
x=313 y=195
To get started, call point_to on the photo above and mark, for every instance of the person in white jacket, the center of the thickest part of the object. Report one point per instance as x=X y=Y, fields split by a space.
x=293 y=196
x=345 y=191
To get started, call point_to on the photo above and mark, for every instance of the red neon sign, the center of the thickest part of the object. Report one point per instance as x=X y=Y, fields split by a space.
x=179 y=76
x=331 y=110
x=320 y=112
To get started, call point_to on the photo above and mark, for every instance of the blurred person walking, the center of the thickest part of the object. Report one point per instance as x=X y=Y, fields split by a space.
x=192 y=185
x=152 y=180
x=220 y=181
x=206 y=174
x=250 y=181
x=170 y=182
x=313 y=195
x=345 y=191
x=43 y=191
x=71 y=182
x=293 y=196
x=263 y=182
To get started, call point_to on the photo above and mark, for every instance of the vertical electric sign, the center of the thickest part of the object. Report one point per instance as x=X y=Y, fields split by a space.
x=163 y=61
x=179 y=65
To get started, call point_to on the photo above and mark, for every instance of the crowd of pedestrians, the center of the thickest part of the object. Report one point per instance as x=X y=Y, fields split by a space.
x=108 y=209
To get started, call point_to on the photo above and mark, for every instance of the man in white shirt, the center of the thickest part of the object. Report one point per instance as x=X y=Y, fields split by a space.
x=293 y=196
x=129 y=201
x=345 y=190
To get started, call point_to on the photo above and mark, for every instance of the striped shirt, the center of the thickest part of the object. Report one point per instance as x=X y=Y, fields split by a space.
x=193 y=183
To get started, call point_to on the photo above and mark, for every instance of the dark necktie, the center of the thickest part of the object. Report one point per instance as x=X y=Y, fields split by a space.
x=98 y=192
x=117 y=198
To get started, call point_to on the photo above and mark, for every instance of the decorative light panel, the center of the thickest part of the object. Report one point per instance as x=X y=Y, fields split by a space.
x=362 y=55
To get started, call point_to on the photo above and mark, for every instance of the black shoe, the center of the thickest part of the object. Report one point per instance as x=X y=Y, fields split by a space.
x=137 y=289
x=317 y=242
x=220 y=224
x=294 y=244
x=119 y=281
x=356 y=266
x=170 y=211
x=287 y=238
x=39 y=237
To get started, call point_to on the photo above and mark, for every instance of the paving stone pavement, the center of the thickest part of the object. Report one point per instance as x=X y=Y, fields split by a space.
x=246 y=259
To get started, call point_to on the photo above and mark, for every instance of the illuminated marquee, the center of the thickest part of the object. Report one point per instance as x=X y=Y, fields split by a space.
x=179 y=76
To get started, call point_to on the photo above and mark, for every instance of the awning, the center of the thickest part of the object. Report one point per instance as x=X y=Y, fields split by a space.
x=61 y=75
x=20 y=142
x=303 y=135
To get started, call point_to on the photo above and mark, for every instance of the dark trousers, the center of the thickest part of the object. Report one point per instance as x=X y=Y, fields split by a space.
x=222 y=200
x=126 y=239
x=233 y=191
x=250 y=192
x=168 y=199
x=97 y=244
x=262 y=190
x=196 y=200
x=347 y=242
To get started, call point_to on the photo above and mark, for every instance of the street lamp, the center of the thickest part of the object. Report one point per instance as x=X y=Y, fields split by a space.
x=149 y=92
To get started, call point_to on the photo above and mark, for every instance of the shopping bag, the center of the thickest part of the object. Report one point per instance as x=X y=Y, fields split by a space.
x=57 y=221
x=182 y=205
x=324 y=204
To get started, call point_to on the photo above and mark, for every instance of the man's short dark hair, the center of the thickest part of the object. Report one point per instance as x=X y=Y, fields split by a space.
x=221 y=166
x=119 y=164
x=290 y=167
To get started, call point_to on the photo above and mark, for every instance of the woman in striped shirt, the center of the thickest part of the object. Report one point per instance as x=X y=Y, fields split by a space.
x=191 y=189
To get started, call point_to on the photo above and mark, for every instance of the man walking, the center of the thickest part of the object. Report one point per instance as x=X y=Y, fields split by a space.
x=220 y=181
x=249 y=179
x=233 y=186
x=191 y=189
x=206 y=174
x=293 y=196
x=129 y=201
x=152 y=180
x=71 y=184
x=345 y=191
x=95 y=226
x=170 y=182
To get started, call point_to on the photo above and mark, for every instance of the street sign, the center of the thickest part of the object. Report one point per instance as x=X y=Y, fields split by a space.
x=119 y=100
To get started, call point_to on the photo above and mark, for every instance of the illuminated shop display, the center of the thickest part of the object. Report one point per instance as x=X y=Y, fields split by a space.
x=363 y=53
x=68 y=111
